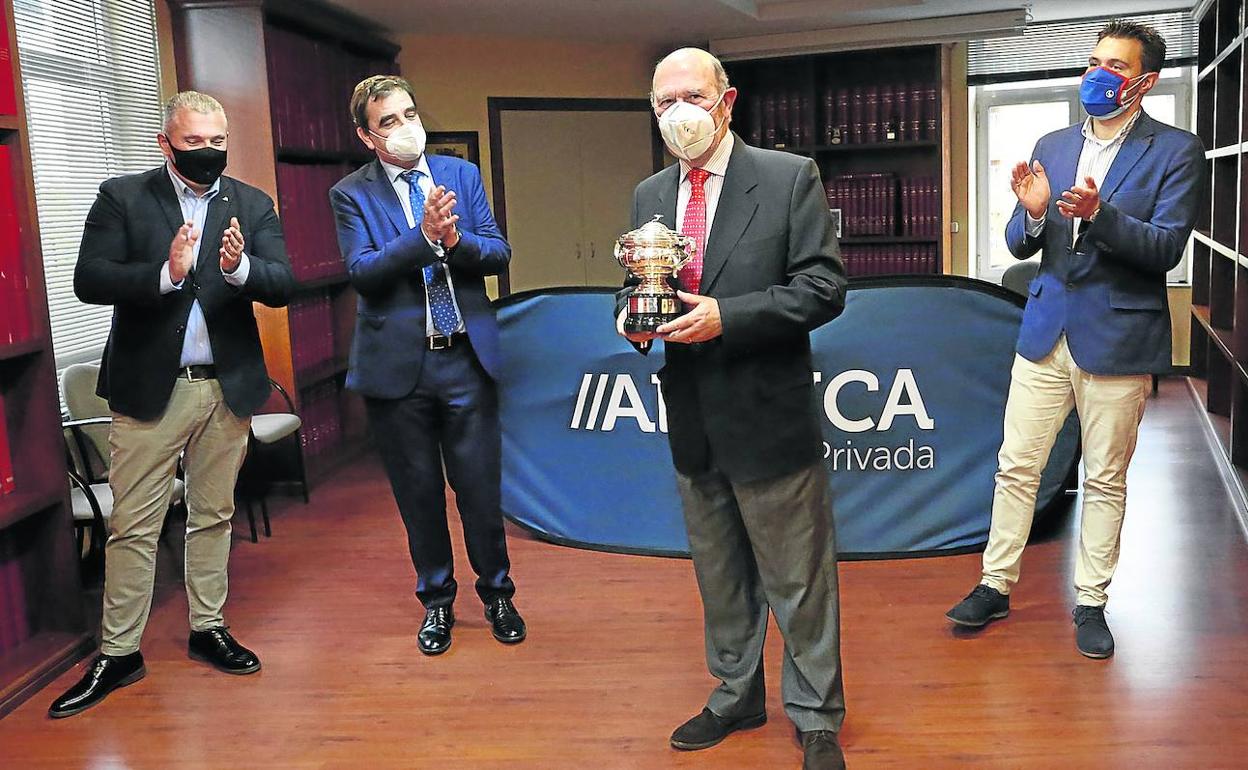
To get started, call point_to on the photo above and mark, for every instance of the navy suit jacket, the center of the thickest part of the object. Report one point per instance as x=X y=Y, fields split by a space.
x=384 y=261
x=1107 y=292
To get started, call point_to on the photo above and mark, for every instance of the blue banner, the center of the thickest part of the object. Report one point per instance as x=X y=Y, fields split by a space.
x=911 y=379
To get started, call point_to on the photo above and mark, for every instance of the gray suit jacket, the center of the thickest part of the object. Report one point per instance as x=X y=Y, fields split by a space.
x=745 y=402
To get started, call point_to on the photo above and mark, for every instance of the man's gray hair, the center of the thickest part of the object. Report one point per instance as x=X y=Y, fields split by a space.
x=717 y=67
x=190 y=100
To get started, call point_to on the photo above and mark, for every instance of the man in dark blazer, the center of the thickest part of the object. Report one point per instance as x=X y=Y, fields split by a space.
x=1097 y=324
x=181 y=253
x=419 y=240
x=742 y=416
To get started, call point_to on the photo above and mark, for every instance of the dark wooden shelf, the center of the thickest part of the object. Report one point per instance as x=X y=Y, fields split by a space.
x=323 y=282
x=1221 y=337
x=24 y=348
x=866 y=240
x=1230 y=48
x=21 y=504
x=36 y=662
x=318 y=374
x=10 y=123
x=307 y=155
x=851 y=147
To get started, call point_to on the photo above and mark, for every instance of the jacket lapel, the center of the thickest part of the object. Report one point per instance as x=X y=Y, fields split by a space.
x=162 y=190
x=378 y=185
x=733 y=213
x=1133 y=148
x=215 y=221
x=669 y=191
x=1061 y=172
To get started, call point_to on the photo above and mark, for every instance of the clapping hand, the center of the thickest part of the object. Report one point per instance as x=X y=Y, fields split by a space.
x=231 y=247
x=182 y=252
x=1031 y=185
x=439 y=220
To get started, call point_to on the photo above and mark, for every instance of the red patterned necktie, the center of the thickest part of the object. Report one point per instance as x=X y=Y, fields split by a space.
x=694 y=227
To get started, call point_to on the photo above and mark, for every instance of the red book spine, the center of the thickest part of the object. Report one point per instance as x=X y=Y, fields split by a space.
x=843 y=113
x=756 y=120
x=857 y=121
x=783 y=125
x=914 y=118
x=829 y=114
x=7 y=482
x=8 y=95
x=871 y=113
x=769 y=120
x=15 y=316
x=930 y=113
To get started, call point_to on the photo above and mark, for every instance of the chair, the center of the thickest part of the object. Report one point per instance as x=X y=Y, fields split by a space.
x=87 y=452
x=267 y=430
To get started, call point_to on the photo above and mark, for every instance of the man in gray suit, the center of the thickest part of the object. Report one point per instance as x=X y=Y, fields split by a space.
x=742 y=415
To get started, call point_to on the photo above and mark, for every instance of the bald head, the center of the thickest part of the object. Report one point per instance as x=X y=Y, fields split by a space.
x=686 y=66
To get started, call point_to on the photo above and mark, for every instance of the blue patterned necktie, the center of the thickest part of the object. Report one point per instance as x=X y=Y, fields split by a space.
x=441 y=304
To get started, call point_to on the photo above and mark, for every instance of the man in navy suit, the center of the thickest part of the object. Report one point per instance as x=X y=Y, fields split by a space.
x=1097 y=323
x=419 y=240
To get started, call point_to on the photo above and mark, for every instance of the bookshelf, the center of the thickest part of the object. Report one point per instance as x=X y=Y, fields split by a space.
x=286 y=86
x=876 y=122
x=1219 y=353
x=43 y=628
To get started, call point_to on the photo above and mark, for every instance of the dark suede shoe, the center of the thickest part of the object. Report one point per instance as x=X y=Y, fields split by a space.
x=435 y=635
x=820 y=751
x=708 y=728
x=505 y=622
x=217 y=647
x=104 y=675
x=1092 y=635
x=982 y=605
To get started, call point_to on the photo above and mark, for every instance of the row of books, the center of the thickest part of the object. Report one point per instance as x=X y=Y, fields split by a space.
x=8 y=93
x=894 y=112
x=310 y=85
x=14 y=618
x=311 y=319
x=308 y=220
x=890 y=259
x=15 y=318
x=322 y=419
x=7 y=484
x=882 y=204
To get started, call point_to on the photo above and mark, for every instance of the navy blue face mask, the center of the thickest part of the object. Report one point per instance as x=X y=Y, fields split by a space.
x=1102 y=92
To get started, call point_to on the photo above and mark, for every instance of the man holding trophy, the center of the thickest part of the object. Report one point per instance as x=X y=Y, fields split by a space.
x=761 y=270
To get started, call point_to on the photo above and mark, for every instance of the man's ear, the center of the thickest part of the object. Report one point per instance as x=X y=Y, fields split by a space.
x=365 y=138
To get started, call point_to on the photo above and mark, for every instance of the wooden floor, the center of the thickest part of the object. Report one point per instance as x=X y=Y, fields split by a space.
x=614 y=657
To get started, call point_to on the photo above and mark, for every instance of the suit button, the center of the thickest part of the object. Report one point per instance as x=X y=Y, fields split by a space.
x=1070 y=285
x=180 y=329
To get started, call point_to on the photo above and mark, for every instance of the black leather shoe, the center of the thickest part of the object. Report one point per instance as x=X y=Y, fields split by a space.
x=1092 y=635
x=217 y=647
x=982 y=605
x=708 y=728
x=820 y=751
x=505 y=621
x=104 y=675
x=435 y=635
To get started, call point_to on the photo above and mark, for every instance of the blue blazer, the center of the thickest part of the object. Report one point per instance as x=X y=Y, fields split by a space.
x=384 y=261
x=1107 y=292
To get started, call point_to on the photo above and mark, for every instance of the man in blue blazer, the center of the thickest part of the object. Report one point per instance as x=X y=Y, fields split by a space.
x=419 y=240
x=1097 y=323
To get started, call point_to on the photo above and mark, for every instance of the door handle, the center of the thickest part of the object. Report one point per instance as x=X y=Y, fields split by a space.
x=591 y=249
x=578 y=250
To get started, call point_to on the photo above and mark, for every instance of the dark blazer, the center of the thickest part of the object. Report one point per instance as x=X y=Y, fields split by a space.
x=384 y=259
x=1108 y=291
x=745 y=401
x=124 y=244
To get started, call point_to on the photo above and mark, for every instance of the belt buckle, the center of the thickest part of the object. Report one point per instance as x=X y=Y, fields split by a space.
x=190 y=375
x=439 y=342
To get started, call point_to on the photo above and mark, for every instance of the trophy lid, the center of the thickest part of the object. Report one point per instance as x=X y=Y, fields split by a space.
x=653 y=234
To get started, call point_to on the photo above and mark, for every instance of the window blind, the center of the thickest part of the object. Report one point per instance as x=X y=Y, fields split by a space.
x=91 y=74
x=1061 y=48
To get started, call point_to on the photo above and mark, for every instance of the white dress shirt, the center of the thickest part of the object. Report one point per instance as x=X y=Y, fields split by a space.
x=1095 y=159
x=403 y=190
x=196 y=347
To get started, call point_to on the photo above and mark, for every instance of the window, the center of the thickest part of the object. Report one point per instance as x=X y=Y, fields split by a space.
x=1010 y=117
x=92 y=81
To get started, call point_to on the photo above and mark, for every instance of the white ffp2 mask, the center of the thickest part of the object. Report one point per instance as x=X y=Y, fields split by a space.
x=688 y=130
x=407 y=142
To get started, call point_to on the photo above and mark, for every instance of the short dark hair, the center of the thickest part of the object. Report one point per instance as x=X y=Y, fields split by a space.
x=373 y=88
x=1152 y=41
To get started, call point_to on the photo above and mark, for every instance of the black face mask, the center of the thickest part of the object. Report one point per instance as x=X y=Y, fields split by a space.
x=201 y=166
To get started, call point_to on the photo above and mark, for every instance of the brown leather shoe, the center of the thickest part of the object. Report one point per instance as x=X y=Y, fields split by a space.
x=708 y=728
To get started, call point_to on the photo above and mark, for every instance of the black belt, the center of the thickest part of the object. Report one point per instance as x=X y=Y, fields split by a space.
x=198 y=372
x=443 y=341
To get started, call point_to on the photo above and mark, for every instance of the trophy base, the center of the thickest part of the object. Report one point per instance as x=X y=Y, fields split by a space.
x=648 y=312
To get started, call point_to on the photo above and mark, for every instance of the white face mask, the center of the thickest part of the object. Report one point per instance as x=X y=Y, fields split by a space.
x=688 y=130
x=407 y=142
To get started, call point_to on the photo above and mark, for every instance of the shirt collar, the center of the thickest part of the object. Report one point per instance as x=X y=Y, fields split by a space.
x=393 y=171
x=1090 y=133
x=183 y=189
x=718 y=164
